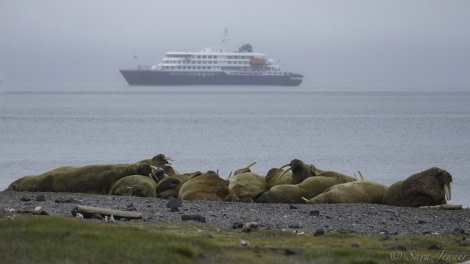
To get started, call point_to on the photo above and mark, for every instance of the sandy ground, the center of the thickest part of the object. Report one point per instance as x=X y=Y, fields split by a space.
x=360 y=218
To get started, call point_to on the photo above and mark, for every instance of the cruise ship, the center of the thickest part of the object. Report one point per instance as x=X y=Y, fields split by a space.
x=213 y=67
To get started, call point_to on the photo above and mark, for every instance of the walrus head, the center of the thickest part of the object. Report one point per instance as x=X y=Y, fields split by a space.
x=300 y=170
x=444 y=178
x=161 y=160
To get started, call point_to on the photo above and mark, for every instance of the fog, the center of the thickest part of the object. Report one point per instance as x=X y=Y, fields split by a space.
x=392 y=43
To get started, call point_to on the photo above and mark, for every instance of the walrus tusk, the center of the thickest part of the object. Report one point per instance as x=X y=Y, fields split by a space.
x=305 y=199
x=253 y=163
x=168 y=159
x=284 y=172
x=280 y=168
x=360 y=174
x=447 y=190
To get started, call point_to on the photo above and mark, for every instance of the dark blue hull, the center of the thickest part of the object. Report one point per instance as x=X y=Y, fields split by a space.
x=149 y=77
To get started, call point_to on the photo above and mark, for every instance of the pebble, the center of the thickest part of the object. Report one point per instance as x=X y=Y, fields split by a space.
x=332 y=217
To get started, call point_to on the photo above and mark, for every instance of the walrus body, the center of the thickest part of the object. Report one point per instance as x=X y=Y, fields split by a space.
x=426 y=188
x=170 y=186
x=135 y=185
x=294 y=193
x=206 y=186
x=302 y=171
x=352 y=192
x=244 y=186
x=94 y=179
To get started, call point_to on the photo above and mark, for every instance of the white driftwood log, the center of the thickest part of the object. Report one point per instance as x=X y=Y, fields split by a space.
x=88 y=210
x=445 y=206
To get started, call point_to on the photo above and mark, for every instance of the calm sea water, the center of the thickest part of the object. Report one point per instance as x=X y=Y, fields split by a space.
x=387 y=135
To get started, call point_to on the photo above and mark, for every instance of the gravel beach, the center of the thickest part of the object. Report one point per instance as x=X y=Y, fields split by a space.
x=358 y=218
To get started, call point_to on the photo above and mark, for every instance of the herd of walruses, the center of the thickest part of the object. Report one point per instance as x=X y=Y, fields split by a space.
x=295 y=182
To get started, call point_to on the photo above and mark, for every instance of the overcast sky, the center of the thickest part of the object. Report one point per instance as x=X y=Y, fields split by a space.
x=333 y=43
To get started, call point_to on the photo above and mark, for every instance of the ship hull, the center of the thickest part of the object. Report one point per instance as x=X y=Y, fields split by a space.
x=151 y=77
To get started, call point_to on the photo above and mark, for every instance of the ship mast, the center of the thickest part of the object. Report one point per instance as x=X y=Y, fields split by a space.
x=225 y=39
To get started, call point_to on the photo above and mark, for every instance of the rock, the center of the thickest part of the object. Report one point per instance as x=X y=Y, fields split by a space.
x=465 y=241
x=319 y=232
x=248 y=227
x=66 y=200
x=294 y=251
x=384 y=237
x=292 y=207
x=41 y=198
x=237 y=225
x=314 y=213
x=25 y=198
x=175 y=202
x=96 y=216
x=458 y=231
x=295 y=226
x=197 y=218
x=435 y=246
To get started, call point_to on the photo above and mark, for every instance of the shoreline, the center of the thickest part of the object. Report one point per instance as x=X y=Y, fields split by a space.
x=355 y=218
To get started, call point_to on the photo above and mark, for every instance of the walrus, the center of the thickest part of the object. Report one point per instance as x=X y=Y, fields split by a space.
x=276 y=176
x=351 y=192
x=294 y=193
x=170 y=186
x=135 y=185
x=94 y=179
x=302 y=171
x=205 y=186
x=159 y=160
x=426 y=188
x=244 y=186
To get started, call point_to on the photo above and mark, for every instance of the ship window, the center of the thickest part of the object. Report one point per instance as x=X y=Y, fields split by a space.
x=198 y=56
x=204 y=56
x=215 y=56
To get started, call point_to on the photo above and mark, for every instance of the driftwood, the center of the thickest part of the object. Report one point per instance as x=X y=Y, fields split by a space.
x=445 y=206
x=36 y=211
x=90 y=210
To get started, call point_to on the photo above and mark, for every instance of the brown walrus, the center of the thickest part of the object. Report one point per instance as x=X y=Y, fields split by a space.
x=95 y=179
x=351 y=192
x=302 y=171
x=426 y=188
x=135 y=185
x=204 y=186
x=244 y=186
x=294 y=193
x=170 y=186
x=159 y=160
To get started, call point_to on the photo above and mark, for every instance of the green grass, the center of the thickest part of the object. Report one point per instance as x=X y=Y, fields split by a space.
x=47 y=239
